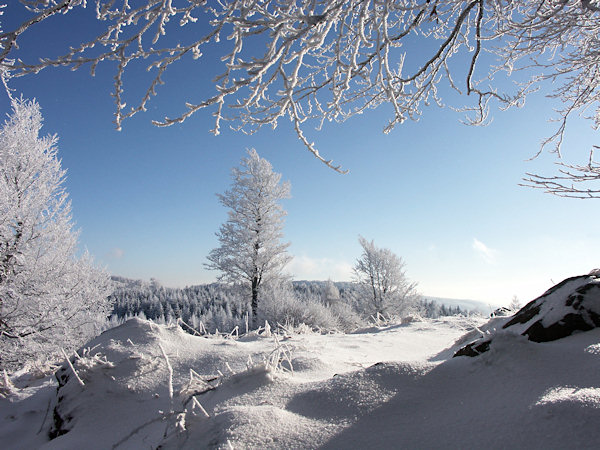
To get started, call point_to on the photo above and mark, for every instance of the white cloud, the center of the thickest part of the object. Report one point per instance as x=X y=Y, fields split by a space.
x=116 y=253
x=488 y=254
x=307 y=268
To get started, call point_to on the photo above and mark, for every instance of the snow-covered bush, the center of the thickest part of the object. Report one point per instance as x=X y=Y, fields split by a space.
x=348 y=319
x=330 y=294
x=279 y=304
x=49 y=298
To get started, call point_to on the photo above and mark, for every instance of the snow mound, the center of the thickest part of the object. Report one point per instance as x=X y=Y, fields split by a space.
x=215 y=391
x=571 y=306
x=131 y=395
x=149 y=386
x=519 y=394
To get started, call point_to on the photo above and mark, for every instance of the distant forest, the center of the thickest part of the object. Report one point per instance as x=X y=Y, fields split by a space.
x=221 y=307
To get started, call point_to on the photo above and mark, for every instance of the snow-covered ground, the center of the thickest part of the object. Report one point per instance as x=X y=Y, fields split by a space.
x=390 y=387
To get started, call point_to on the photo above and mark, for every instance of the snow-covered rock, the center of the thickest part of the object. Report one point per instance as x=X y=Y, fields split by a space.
x=571 y=306
x=503 y=311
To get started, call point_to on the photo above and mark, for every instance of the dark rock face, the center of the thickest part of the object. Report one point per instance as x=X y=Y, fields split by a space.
x=60 y=423
x=571 y=306
x=474 y=349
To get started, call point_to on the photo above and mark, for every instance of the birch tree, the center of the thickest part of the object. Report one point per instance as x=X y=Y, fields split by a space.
x=381 y=274
x=313 y=61
x=49 y=298
x=251 y=252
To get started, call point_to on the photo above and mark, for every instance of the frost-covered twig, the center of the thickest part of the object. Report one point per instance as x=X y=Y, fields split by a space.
x=196 y=404
x=572 y=180
x=234 y=334
x=189 y=327
x=195 y=386
x=79 y=380
x=6 y=388
x=170 y=373
x=280 y=354
x=171 y=412
x=267 y=332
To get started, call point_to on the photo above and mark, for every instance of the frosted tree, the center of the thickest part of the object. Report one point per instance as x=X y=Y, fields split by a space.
x=380 y=273
x=49 y=298
x=313 y=61
x=330 y=294
x=515 y=304
x=251 y=252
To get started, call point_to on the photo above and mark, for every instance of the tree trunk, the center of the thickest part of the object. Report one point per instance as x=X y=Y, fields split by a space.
x=255 y=302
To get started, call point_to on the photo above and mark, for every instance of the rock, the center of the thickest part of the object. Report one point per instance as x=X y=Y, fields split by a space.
x=573 y=305
x=474 y=349
x=501 y=312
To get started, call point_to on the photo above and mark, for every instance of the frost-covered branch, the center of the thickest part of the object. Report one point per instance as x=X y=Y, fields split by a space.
x=313 y=61
x=569 y=181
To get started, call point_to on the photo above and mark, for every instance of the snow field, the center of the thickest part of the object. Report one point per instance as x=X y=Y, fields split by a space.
x=392 y=387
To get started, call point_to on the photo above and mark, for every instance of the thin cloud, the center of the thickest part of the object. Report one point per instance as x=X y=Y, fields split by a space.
x=488 y=254
x=307 y=268
x=116 y=253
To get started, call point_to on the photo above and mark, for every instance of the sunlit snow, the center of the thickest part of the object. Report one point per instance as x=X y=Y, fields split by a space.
x=383 y=387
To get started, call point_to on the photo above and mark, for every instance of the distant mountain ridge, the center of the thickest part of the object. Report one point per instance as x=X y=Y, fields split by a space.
x=467 y=304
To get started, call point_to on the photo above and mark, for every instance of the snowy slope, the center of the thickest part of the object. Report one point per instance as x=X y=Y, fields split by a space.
x=392 y=387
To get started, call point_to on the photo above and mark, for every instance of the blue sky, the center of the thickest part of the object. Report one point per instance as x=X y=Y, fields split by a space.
x=442 y=195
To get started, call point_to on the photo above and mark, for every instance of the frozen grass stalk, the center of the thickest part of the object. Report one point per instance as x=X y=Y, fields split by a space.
x=170 y=369
x=79 y=380
x=197 y=404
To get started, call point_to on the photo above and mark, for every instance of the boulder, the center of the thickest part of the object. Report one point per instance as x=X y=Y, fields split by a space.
x=573 y=305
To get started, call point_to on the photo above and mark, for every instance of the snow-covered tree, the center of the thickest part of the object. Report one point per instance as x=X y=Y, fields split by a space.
x=251 y=252
x=318 y=60
x=385 y=287
x=515 y=304
x=330 y=294
x=49 y=298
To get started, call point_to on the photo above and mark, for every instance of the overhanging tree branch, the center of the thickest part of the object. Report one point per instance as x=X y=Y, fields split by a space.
x=328 y=61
